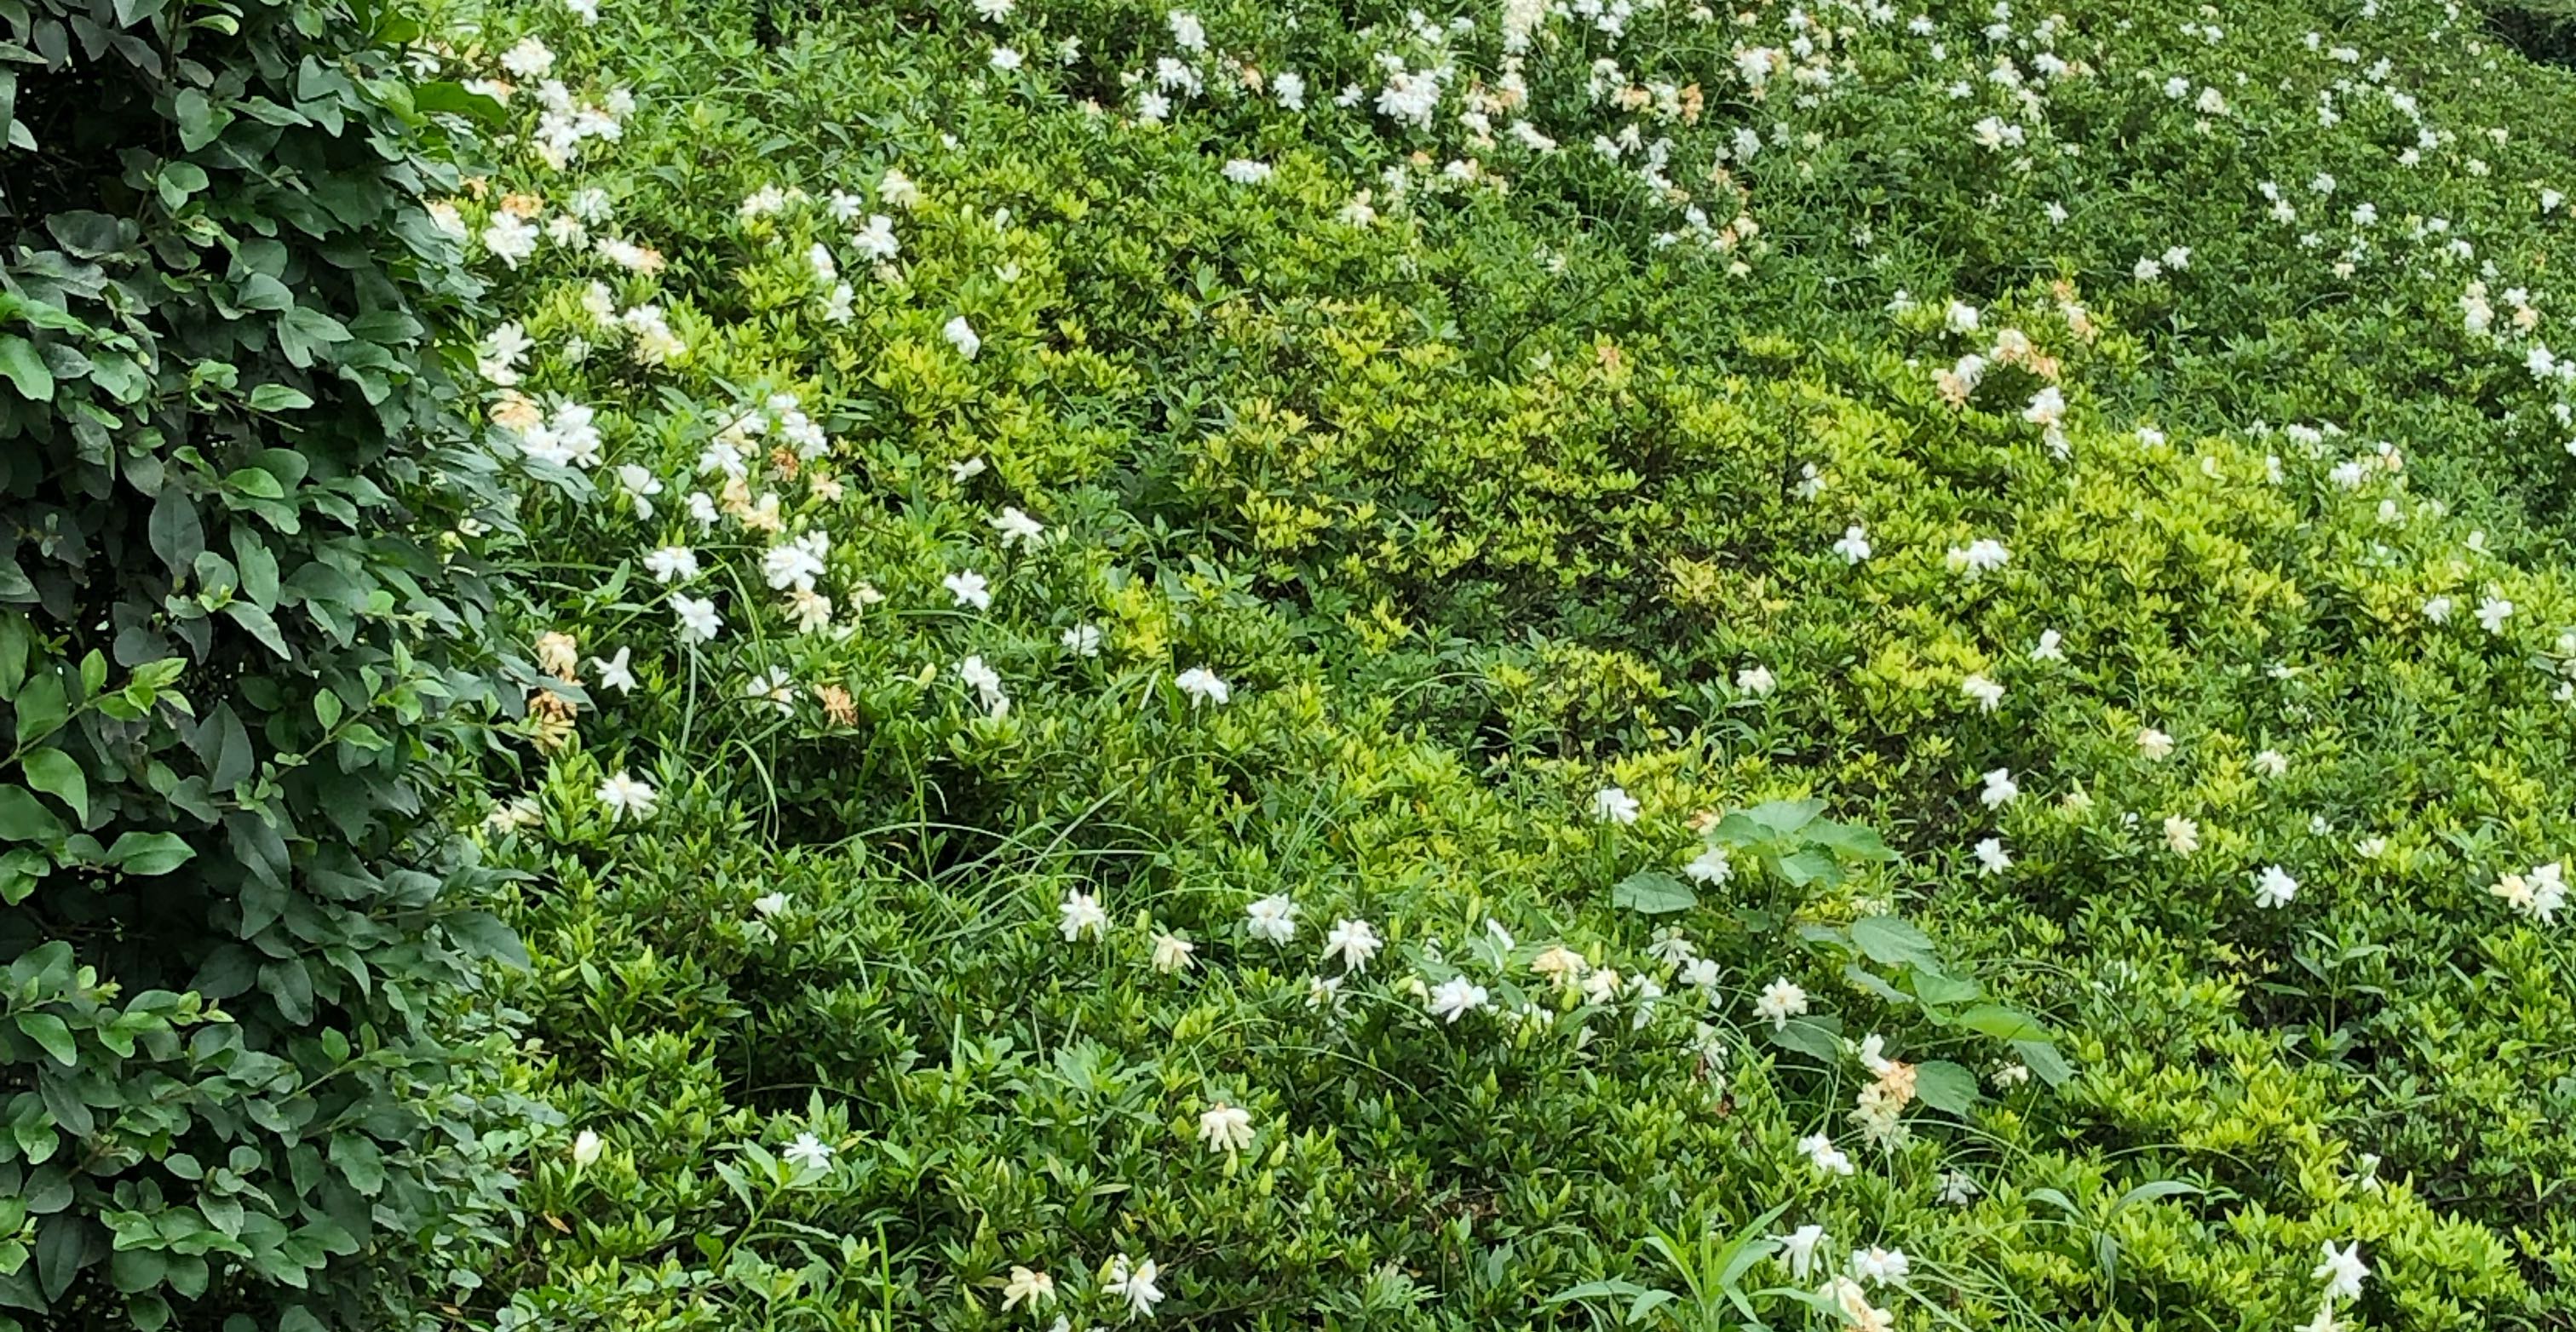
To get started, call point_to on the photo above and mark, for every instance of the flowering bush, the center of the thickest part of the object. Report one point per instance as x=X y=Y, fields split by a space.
x=1530 y=665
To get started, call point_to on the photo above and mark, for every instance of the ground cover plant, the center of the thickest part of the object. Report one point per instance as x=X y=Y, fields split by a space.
x=1544 y=665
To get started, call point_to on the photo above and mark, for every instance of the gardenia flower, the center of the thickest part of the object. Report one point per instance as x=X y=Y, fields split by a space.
x=1226 y=1128
x=1133 y=1282
x=1456 y=997
x=1987 y=693
x=969 y=589
x=1203 y=686
x=2274 y=887
x=627 y=796
x=1991 y=856
x=987 y=683
x=2271 y=763
x=1082 y=640
x=1612 y=805
x=1272 y=919
x=1983 y=555
x=1560 y=964
x=2154 y=744
x=1854 y=546
x=1172 y=953
x=2050 y=647
x=961 y=335
x=1957 y=1189
x=1879 y=1266
x=1354 y=942
x=2343 y=1272
x=810 y=1152
x=699 y=622
x=2182 y=836
x=1036 y=1289
x=769 y=904
x=1244 y=171
x=1755 y=680
x=1799 y=1249
x=2000 y=789
x=1081 y=915
x=585 y=1148
x=1780 y=1001
x=2438 y=610
x=796 y=563
x=1709 y=866
x=1017 y=528
x=1823 y=1155
x=2539 y=894
x=2492 y=613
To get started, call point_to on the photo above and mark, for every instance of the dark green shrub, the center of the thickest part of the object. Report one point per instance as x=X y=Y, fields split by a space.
x=232 y=664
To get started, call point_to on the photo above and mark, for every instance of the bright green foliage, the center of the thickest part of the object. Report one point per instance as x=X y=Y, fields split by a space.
x=232 y=1069
x=2084 y=792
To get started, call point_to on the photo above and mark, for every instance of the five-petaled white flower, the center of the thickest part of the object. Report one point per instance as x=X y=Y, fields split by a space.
x=2274 y=887
x=1355 y=942
x=2154 y=744
x=961 y=335
x=614 y=673
x=810 y=1152
x=1709 y=866
x=699 y=622
x=1613 y=805
x=1456 y=997
x=1133 y=1281
x=969 y=588
x=1272 y=919
x=1201 y=685
x=1172 y=953
x=627 y=797
x=1081 y=914
x=2342 y=1271
x=1225 y=1128
x=1035 y=1289
x=1780 y=1001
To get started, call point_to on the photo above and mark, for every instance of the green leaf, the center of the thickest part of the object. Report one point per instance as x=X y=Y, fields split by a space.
x=24 y=370
x=23 y=818
x=2042 y=1058
x=255 y=483
x=2004 y=1024
x=146 y=854
x=1785 y=816
x=1654 y=893
x=1945 y=1086
x=59 y=775
x=1810 y=866
x=2151 y=1191
x=484 y=935
x=1819 y=1038
x=42 y=707
x=1890 y=941
x=178 y=535
x=279 y=398
x=52 y=1033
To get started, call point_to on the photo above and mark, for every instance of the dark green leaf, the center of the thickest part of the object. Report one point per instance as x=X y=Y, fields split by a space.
x=1653 y=893
x=1945 y=1086
x=59 y=775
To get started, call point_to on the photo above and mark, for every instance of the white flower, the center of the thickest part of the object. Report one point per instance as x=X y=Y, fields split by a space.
x=2271 y=763
x=510 y=238
x=769 y=904
x=1017 y=528
x=2539 y=894
x=1036 y=1289
x=877 y=241
x=2343 y=1272
x=993 y=11
x=2000 y=789
x=672 y=564
x=1272 y=919
x=1854 y=545
x=1081 y=914
x=1133 y=1282
x=1201 y=685
x=1780 y=1001
x=1354 y=942
x=585 y=1148
x=614 y=673
x=2182 y=836
x=627 y=796
x=2438 y=610
x=810 y=1152
x=1456 y=997
x=968 y=470
x=969 y=589
x=1005 y=59
x=1187 y=32
x=1244 y=171
x=1957 y=1189
x=1961 y=317
x=699 y=622
x=1983 y=555
x=796 y=563
x=1823 y=1155
x=2274 y=887
x=1225 y=1128
x=961 y=335
x=1991 y=856
x=1082 y=640
x=1987 y=693
x=1172 y=953
x=1613 y=805
x=640 y=487
x=2154 y=744
x=1756 y=680
x=1709 y=866
x=987 y=684
x=1879 y=1266
x=2492 y=613
x=528 y=60
x=2051 y=647
x=1800 y=1246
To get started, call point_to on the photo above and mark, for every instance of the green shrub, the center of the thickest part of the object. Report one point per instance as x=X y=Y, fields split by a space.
x=242 y=1081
